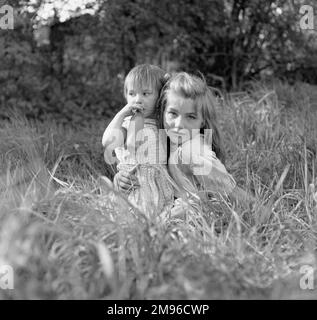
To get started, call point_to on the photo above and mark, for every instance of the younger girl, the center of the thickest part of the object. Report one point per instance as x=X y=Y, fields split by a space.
x=136 y=123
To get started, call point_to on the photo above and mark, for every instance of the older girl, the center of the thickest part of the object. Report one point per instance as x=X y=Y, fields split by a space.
x=189 y=119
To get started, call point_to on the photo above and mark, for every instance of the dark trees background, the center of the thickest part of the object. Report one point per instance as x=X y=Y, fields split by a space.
x=73 y=71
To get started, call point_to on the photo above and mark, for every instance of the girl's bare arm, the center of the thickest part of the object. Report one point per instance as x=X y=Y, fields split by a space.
x=111 y=132
x=115 y=135
x=134 y=131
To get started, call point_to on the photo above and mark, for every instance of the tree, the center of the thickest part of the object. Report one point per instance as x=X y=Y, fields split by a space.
x=231 y=41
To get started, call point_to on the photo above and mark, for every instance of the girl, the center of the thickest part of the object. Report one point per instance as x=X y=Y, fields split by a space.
x=188 y=116
x=134 y=136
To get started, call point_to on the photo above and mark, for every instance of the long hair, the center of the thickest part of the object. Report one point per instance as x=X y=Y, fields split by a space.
x=192 y=87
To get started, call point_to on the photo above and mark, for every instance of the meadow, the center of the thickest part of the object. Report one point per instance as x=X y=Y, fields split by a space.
x=68 y=235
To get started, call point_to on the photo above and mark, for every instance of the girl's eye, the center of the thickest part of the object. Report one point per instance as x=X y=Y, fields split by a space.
x=172 y=113
x=146 y=93
x=192 y=117
x=131 y=94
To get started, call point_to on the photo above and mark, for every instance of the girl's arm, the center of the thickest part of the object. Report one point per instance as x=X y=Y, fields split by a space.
x=206 y=168
x=134 y=131
x=216 y=177
x=212 y=175
x=115 y=135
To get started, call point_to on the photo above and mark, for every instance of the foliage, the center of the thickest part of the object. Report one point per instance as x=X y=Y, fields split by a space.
x=68 y=235
x=79 y=75
x=230 y=42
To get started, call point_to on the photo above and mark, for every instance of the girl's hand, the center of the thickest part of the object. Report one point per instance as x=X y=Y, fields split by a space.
x=131 y=109
x=125 y=180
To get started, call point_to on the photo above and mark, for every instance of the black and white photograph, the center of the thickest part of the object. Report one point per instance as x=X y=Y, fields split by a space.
x=158 y=151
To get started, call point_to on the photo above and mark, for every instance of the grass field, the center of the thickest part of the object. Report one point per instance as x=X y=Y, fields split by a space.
x=67 y=235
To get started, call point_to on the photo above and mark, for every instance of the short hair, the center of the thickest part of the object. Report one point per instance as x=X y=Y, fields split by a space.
x=144 y=75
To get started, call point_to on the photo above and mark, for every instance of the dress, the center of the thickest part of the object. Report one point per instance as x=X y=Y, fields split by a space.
x=156 y=192
x=198 y=173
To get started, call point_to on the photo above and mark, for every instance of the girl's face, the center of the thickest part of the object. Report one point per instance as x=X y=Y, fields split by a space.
x=144 y=97
x=182 y=120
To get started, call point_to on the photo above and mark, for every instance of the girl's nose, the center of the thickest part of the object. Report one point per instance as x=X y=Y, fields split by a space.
x=138 y=98
x=179 y=123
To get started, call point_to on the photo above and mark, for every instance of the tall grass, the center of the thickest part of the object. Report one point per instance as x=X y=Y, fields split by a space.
x=68 y=235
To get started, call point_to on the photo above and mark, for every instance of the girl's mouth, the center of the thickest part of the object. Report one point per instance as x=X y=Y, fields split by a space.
x=178 y=133
x=184 y=132
x=178 y=137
